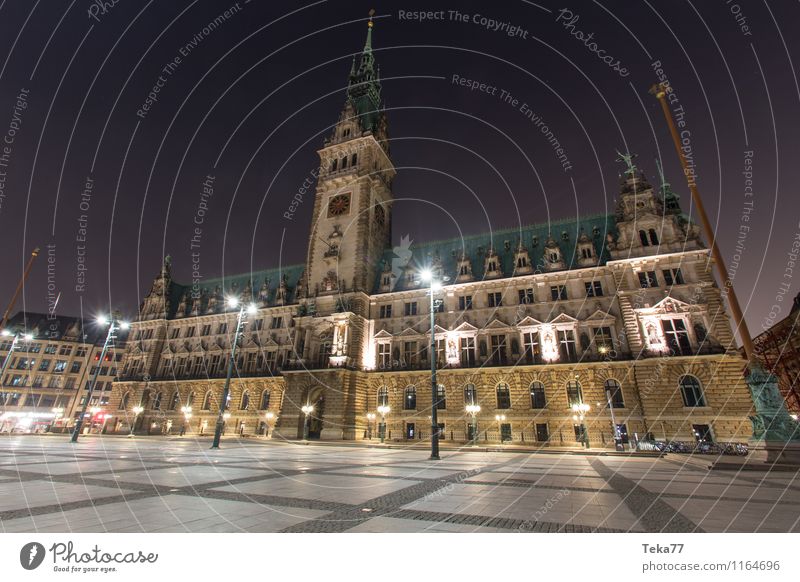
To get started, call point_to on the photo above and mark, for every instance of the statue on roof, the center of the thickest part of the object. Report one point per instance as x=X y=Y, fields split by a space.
x=627 y=159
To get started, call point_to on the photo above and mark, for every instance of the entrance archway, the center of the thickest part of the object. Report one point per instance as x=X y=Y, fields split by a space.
x=316 y=397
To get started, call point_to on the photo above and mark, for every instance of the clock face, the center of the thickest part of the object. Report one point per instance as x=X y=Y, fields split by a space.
x=339 y=205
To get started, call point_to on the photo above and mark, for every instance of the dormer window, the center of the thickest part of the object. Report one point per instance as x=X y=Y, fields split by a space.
x=653 y=237
x=553 y=257
x=344 y=162
x=353 y=160
x=643 y=238
x=522 y=262
x=334 y=165
x=346 y=132
x=586 y=253
x=464 y=270
x=491 y=266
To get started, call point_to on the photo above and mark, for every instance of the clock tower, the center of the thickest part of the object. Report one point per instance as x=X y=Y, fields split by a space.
x=351 y=223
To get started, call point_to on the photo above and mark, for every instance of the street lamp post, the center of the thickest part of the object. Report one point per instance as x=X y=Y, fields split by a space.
x=383 y=410
x=614 y=429
x=580 y=411
x=57 y=414
x=268 y=416
x=187 y=414
x=473 y=410
x=114 y=325
x=232 y=302
x=137 y=410
x=427 y=275
x=307 y=409
x=370 y=419
x=500 y=418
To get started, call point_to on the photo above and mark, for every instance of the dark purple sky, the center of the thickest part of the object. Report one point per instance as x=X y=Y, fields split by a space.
x=250 y=102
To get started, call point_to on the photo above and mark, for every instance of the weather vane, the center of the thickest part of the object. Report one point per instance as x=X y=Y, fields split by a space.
x=627 y=159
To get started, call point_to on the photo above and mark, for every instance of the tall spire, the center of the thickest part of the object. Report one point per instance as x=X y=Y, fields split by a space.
x=364 y=87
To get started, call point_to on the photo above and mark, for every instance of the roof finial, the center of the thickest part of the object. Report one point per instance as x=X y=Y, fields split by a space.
x=371 y=14
x=370 y=24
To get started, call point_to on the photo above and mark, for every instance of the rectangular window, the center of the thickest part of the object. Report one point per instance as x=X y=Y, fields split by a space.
x=410 y=308
x=44 y=365
x=51 y=349
x=673 y=277
x=384 y=356
x=175 y=333
x=465 y=302
x=76 y=367
x=190 y=331
x=542 y=434
x=566 y=344
x=70 y=383
x=533 y=352
x=410 y=353
x=207 y=329
x=648 y=279
x=602 y=340
x=276 y=323
x=271 y=358
x=495 y=299
x=222 y=328
x=60 y=366
x=468 y=351
x=258 y=325
x=65 y=351
x=558 y=292
x=385 y=311
x=526 y=296
x=677 y=336
x=499 y=350
x=594 y=289
x=80 y=352
x=505 y=433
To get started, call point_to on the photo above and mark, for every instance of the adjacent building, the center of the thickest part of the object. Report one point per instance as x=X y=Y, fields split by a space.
x=619 y=312
x=48 y=376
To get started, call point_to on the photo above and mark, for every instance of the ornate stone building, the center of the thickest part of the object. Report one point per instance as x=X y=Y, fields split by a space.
x=620 y=312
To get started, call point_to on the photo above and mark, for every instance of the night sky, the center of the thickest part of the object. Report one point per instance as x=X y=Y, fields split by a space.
x=250 y=101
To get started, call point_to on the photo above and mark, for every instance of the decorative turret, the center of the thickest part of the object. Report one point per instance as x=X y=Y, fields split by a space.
x=553 y=257
x=492 y=266
x=649 y=223
x=464 y=269
x=585 y=251
x=156 y=304
x=522 y=260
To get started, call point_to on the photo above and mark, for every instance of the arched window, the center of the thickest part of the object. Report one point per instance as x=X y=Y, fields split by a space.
x=653 y=237
x=123 y=404
x=614 y=393
x=538 y=399
x=173 y=403
x=207 y=401
x=692 y=391
x=383 y=396
x=574 y=393
x=265 y=400
x=157 y=401
x=441 y=397
x=189 y=399
x=643 y=238
x=470 y=394
x=245 y=403
x=334 y=165
x=503 y=396
x=410 y=398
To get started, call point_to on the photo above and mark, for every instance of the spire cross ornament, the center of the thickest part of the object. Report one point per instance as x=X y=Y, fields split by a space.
x=627 y=159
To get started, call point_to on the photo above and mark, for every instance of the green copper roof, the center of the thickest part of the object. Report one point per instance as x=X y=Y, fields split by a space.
x=505 y=242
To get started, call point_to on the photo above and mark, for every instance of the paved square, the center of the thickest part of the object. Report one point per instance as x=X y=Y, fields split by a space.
x=156 y=484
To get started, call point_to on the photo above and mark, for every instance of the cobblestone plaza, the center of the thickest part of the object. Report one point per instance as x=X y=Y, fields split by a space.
x=113 y=484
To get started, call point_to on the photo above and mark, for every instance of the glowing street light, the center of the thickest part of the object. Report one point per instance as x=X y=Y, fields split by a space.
x=433 y=285
x=500 y=418
x=114 y=324
x=383 y=410
x=473 y=410
x=268 y=416
x=307 y=409
x=580 y=410
x=137 y=410
x=232 y=302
